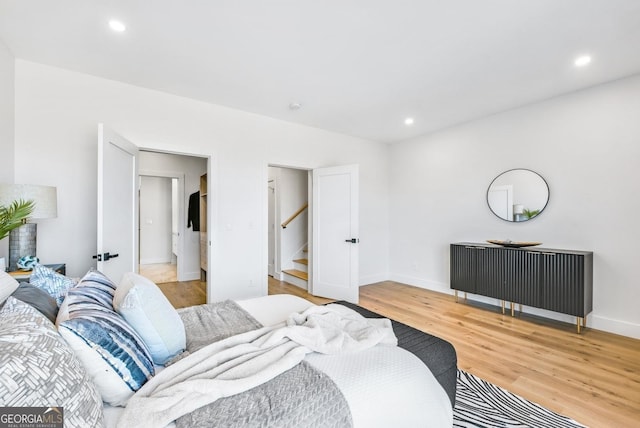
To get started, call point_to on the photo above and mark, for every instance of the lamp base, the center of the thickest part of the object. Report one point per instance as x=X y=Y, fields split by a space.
x=22 y=242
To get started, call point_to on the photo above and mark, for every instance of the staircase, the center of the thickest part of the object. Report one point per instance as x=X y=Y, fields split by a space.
x=299 y=275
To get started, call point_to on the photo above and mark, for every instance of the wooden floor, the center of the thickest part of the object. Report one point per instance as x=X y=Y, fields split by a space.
x=593 y=377
x=160 y=272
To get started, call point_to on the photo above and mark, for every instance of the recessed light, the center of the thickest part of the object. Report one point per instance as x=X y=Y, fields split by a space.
x=581 y=61
x=408 y=121
x=295 y=106
x=117 y=26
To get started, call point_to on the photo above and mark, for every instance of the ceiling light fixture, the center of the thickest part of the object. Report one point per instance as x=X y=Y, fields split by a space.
x=581 y=61
x=117 y=26
x=295 y=106
x=408 y=121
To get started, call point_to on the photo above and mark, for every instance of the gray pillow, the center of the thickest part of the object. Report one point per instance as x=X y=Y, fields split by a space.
x=39 y=299
x=37 y=368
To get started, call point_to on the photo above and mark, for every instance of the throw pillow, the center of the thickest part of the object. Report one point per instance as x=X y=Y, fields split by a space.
x=52 y=282
x=95 y=286
x=37 y=368
x=113 y=354
x=38 y=299
x=147 y=310
x=8 y=285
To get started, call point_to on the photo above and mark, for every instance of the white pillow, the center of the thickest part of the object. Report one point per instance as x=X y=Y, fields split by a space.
x=143 y=305
x=8 y=285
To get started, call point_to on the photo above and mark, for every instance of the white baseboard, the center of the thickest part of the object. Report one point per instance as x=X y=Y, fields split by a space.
x=372 y=279
x=190 y=276
x=422 y=283
x=623 y=328
x=154 y=261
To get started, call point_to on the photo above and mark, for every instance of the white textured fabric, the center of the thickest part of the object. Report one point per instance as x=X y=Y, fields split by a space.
x=247 y=360
x=274 y=309
x=8 y=285
x=143 y=305
x=387 y=386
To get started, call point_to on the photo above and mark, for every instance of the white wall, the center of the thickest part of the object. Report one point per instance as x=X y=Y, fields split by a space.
x=190 y=168
x=586 y=145
x=6 y=125
x=155 y=220
x=6 y=114
x=57 y=112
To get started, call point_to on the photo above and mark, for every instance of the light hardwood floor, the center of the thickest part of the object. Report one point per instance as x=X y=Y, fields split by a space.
x=593 y=377
x=159 y=272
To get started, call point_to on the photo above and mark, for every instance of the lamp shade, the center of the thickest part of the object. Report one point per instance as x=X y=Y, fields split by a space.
x=45 y=198
x=518 y=209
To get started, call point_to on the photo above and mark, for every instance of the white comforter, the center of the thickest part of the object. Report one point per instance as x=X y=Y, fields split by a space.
x=384 y=385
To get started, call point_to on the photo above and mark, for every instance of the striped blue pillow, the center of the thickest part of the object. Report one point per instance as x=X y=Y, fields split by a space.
x=105 y=332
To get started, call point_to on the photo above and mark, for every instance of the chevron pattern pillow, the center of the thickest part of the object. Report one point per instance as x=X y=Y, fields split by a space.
x=55 y=284
x=37 y=368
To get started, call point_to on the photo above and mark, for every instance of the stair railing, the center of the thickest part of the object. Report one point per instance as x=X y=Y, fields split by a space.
x=294 y=215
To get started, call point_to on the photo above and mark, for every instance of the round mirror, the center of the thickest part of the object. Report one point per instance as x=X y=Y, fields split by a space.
x=518 y=195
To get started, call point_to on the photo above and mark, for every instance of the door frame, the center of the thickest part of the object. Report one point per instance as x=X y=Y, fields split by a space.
x=277 y=267
x=181 y=178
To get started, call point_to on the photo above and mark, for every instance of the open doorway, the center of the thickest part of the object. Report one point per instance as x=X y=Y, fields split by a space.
x=158 y=228
x=313 y=229
x=288 y=222
x=171 y=217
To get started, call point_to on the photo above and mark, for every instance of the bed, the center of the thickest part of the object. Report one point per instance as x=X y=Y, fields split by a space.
x=127 y=346
x=412 y=384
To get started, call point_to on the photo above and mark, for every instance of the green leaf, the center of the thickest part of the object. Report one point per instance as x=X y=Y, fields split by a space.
x=14 y=215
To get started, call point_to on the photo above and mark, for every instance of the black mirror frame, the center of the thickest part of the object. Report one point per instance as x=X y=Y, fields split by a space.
x=519 y=169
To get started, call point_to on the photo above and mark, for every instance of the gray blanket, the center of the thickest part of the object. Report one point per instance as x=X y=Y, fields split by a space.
x=300 y=397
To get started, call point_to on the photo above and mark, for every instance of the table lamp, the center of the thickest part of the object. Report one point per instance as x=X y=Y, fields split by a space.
x=22 y=240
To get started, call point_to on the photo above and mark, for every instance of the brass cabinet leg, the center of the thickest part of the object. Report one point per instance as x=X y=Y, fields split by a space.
x=578 y=321
x=502 y=307
x=512 y=308
x=584 y=321
x=456 y=293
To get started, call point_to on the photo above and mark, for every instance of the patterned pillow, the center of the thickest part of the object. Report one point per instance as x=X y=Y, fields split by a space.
x=52 y=282
x=94 y=287
x=37 y=368
x=115 y=356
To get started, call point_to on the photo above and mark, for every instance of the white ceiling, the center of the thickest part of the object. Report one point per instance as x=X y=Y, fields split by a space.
x=358 y=67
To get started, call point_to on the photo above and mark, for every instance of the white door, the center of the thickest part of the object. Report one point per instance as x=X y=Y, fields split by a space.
x=500 y=199
x=334 y=257
x=117 y=250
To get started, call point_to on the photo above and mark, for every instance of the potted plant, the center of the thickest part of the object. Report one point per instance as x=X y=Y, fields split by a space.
x=14 y=215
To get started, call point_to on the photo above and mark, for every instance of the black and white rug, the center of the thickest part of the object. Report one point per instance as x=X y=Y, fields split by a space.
x=482 y=404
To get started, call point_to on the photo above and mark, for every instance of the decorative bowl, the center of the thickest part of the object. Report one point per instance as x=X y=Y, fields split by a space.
x=513 y=244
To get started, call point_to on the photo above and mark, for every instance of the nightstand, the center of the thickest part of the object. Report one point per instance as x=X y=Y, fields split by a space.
x=24 y=275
